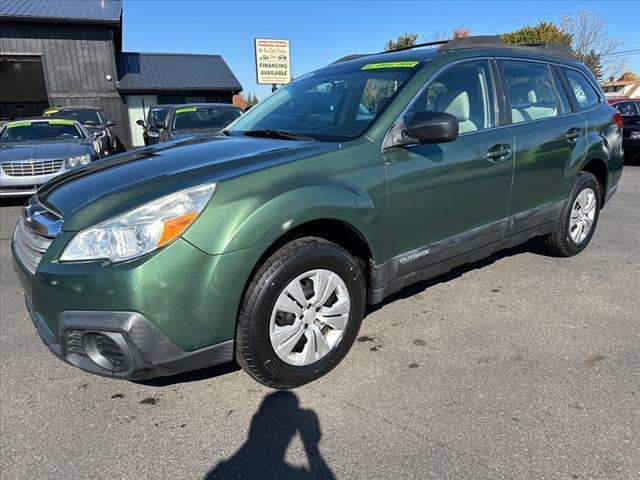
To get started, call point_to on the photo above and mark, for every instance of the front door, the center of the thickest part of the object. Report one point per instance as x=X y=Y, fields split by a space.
x=445 y=199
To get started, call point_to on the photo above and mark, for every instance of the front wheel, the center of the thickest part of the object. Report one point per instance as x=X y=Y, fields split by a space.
x=579 y=218
x=300 y=314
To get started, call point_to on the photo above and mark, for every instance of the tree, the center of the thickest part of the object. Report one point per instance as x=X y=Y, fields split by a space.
x=544 y=32
x=590 y=39
x=628 y=76
x=593 y=61
x=403 y=41
x=460 y=32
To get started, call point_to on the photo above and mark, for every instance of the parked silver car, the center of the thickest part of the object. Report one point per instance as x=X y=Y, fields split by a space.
x=34 y=150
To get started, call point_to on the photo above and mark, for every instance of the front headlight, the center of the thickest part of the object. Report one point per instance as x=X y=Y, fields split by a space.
x=141 y=230
x=78 y=161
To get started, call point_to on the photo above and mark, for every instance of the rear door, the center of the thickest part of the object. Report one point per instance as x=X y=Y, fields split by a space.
x=547 y=134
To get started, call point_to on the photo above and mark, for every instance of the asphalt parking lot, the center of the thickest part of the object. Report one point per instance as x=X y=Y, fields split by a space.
x=520 y=366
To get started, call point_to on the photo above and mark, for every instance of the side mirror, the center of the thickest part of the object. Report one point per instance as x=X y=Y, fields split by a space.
x=432 y=127
x=111 y=123
x=140 y=122
x=160 y=125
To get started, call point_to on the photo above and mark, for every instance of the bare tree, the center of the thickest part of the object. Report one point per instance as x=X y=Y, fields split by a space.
x=590 y=39
x=439 y=36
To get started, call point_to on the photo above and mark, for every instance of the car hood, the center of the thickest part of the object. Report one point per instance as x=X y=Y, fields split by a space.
x=111 y=186
x=15 y=152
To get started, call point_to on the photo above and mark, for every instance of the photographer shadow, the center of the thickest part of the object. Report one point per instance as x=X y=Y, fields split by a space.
x=273 y=427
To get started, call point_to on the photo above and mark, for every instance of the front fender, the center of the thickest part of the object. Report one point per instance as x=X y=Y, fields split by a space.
x=258 y=208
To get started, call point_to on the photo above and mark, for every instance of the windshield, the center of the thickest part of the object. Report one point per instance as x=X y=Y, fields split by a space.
x=335 y=104
x=157 y=114
x=86 y=117
x=187 y=118
x=40 y=131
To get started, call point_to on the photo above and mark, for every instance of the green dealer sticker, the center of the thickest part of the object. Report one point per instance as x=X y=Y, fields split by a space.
x=19 y=124
x=186 y=109
x=61 y=122
x=371 y=66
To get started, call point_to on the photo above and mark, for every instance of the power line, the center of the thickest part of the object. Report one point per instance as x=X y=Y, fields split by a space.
x=623 y=52
x=528 y=17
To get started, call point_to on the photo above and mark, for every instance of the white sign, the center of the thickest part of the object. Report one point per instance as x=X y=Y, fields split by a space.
x=273 y=63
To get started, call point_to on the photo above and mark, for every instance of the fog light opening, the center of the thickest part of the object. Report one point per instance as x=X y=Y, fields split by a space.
x=107 y=350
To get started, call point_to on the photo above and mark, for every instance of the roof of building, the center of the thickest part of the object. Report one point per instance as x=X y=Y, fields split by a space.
x=153 y=72
x=618 y=83
x=69 y=11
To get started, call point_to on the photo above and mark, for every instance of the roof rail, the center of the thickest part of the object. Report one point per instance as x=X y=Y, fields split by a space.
x=417 y=45
x=480 y=41
x=346 y=58
x=494 y=41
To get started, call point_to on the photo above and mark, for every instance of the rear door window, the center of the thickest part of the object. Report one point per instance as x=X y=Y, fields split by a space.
x=581 y=88
x=530 y=90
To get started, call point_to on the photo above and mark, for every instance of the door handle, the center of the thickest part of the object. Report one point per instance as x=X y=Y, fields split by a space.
x=499 y=153
x=573 y=135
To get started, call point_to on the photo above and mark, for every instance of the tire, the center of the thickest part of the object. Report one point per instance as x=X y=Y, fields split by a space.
x=563 y=242
x=269 y=314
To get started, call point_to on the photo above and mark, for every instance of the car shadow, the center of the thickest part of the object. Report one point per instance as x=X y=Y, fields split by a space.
x=531 y=246
x=192 y=376
x=273 y=427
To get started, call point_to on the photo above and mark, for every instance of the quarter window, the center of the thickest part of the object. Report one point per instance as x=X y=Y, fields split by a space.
x=581 y=88
x=465 y=91
x=530 y=91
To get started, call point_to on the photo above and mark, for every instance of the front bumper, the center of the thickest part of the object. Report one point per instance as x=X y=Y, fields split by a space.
x=171 y=311
x=138 y=349
x=20 y=186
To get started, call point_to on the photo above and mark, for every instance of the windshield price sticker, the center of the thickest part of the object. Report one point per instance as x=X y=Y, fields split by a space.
x=371 y=66
x=19 y=124
x=60 y=122
x=186 y=109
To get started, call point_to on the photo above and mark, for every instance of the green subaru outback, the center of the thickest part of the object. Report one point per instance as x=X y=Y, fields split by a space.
x=266 y=243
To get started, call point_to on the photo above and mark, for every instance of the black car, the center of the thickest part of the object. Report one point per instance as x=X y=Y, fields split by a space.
x=151 y=133
x=93 y=119
x=630 y=111
x=194 y=119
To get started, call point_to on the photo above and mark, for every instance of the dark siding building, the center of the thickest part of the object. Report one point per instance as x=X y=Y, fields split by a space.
x=68 y=52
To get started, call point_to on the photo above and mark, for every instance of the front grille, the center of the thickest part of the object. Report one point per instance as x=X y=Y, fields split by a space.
x=32 y=168
x=29 y=246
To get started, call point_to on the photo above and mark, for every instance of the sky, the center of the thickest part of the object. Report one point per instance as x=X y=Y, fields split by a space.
x=321 y=32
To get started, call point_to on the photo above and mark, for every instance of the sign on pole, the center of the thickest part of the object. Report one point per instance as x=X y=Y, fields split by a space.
x=273 y=63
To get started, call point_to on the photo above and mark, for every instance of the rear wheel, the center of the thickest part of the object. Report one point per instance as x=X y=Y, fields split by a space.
x=300 y=314
x=579 y=218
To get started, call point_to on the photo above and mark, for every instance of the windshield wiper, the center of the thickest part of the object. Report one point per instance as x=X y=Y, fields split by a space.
x=277 y=134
